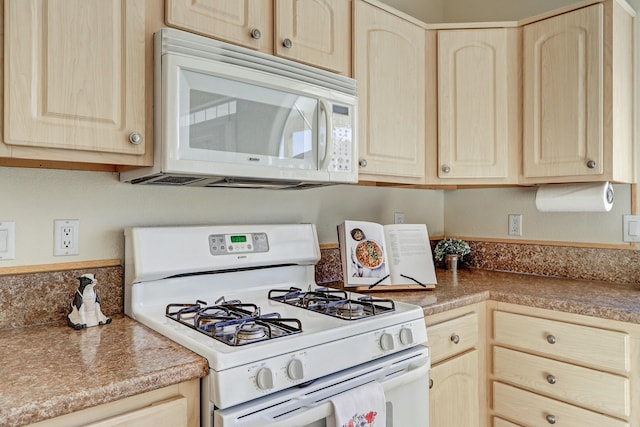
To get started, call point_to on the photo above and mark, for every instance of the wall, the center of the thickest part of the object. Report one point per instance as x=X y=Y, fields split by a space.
x=33 y=198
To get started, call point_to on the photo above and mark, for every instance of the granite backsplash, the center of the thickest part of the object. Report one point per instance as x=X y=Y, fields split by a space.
x=41 y=298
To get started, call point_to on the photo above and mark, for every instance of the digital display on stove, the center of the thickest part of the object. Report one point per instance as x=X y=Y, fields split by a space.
x=239 y=239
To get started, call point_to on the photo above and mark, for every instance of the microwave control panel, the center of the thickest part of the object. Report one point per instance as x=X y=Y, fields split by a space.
x=228 y=244
x=341 y=155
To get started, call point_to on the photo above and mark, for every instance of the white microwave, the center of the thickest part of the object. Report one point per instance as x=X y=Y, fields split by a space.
x=232 y=117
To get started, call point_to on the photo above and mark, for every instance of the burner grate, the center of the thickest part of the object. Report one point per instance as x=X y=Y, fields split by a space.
x=333 y=302
x=233 y=323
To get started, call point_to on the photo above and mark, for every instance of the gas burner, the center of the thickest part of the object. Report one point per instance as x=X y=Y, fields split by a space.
x=349 y=310
x=250 y=332
x=233 y=322
x=333 y=302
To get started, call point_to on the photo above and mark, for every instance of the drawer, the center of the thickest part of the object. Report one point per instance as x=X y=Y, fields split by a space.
x=600 y=348
x=585 y=387
x=453 y=337
x=534 y=410
x=499 y=422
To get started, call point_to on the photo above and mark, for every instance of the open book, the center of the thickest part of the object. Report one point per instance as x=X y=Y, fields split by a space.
x=385 y=257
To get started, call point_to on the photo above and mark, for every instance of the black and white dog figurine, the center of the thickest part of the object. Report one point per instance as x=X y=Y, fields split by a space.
x=85 y=308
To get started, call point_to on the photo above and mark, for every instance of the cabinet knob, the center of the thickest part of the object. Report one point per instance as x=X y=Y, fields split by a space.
x=551 y=339
x=455 y=338
x=135 y=138
x=287 y=43
x=551 y=379
x=256 y=34
x=446 y=168
x=591 y=164
x=551 y=419
x=363 y=163
x=430 y=383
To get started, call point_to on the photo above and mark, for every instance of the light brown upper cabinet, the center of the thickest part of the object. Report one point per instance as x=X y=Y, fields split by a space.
x=389 y=65
x=315 y=32
x=578 y=106
x=75 y=80
x=478 y=106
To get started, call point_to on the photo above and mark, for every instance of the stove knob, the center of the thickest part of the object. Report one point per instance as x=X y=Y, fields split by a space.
x=264 y=379
x=295 y=370
x=406 y=336
x=386 y=342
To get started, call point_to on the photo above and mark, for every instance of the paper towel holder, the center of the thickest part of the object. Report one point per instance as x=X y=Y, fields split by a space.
x=575 y=197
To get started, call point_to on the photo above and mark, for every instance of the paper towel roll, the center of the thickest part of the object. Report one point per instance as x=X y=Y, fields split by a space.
x=591 y=197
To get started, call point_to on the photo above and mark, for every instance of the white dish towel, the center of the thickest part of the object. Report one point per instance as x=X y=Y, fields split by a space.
x=364 y=406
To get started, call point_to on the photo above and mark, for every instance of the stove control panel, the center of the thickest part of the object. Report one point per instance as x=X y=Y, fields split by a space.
x=229 y=244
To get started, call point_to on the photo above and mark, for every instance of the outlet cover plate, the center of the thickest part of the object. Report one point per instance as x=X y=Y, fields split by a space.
x=66 y=237
x=7 y=240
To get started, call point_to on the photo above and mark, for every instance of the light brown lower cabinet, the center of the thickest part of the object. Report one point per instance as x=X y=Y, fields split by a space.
x=562 y=369
x=173 y=406
x=457 y=377
x=499 y=422
x=454 y=397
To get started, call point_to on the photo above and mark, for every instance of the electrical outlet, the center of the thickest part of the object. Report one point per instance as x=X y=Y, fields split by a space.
x=66 y=237
x=515 y=224
x=398 y=217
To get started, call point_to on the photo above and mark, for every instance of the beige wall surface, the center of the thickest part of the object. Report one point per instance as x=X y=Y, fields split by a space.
x=484 y=213
x=33 y=198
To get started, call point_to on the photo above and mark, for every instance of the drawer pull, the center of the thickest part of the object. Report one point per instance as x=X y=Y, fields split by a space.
x=551 y=379
x=551 y=339
x=551 y=419
x=430 y=383
x=455 y=338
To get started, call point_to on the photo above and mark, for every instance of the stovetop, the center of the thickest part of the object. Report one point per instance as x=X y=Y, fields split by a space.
x=175 y=265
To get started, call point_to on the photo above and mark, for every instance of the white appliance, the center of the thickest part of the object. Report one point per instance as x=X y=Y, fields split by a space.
x=230 y=116
x=279 y=348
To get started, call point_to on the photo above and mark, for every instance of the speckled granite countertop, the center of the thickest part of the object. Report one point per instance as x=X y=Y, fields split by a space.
x=468 y=286
x=51 y=370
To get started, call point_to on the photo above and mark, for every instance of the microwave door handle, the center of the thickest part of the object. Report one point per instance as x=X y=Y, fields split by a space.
x=328 y=135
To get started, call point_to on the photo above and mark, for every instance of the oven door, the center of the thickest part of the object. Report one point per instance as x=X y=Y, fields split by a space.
x=404 y=377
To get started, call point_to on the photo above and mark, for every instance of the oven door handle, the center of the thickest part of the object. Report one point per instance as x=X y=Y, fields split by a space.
x=324 y=409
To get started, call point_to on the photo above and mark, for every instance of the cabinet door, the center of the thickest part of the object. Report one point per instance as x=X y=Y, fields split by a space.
x=245 y=22
x=454 y=395
x=476 y=124
x=390 y=70
x=317 y=32
x=563 y=94
x=75 y=75
x=170 y=413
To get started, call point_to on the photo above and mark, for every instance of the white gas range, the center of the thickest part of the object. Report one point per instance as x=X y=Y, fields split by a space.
x=279 y=347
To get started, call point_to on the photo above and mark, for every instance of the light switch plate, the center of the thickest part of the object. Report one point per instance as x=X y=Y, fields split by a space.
x=7 y=240
x=631 y=230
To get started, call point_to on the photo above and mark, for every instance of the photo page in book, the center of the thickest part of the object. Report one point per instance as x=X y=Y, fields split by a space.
x=386 y=256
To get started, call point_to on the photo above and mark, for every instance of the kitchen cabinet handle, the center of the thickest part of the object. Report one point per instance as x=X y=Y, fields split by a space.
x=591 y=164
x=551 y=379
x=363 y=163
x=551 y=339
x=446 y=168
x=430 y=383
x=256 y=34
x=135 y=138
x=287 y=43
x=455 y=338
x=551 y=419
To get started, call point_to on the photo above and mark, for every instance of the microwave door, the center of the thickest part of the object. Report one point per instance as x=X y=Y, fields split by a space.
x=228 y=121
